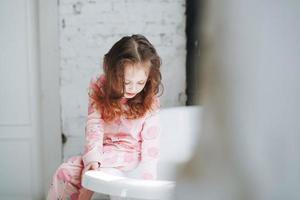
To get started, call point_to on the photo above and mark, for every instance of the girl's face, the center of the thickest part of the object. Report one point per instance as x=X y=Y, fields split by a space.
x=135 y=77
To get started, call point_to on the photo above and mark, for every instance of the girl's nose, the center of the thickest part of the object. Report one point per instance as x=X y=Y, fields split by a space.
x=132 y=88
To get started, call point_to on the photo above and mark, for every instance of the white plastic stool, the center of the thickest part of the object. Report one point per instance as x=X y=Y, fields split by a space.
x=101 y=182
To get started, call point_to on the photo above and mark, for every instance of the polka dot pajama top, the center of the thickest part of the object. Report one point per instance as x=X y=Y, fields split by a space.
x=124 y=144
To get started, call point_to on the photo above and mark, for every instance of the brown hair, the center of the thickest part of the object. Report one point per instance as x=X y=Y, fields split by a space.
x=106 y=98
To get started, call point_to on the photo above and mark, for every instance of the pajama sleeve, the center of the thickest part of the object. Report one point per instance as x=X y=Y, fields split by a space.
x=93 y=131
x=150 y=137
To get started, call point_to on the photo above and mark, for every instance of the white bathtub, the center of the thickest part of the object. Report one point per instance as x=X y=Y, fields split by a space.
x=180 y=129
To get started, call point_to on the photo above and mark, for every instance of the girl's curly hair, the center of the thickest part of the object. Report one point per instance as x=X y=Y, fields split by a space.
x=106 y=96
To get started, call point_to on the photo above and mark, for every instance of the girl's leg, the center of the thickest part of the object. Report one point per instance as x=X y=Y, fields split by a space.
x=85 y=194
x=66 y=182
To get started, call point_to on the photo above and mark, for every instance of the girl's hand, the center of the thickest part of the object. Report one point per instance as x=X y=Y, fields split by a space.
x=91 y=166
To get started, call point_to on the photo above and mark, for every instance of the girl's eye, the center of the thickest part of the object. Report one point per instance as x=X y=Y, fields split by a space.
x=126 y=83
x=142 y=83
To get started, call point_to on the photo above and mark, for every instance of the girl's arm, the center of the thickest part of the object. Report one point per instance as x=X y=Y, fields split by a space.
x=150 y=136
x=93 y=133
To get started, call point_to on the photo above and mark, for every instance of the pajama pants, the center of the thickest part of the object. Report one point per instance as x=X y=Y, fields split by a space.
x=66 y=181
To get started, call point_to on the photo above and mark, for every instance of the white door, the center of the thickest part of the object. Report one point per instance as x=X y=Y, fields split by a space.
x=20 y=157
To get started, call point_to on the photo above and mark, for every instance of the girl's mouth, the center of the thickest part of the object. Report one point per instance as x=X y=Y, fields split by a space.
x=130 y=94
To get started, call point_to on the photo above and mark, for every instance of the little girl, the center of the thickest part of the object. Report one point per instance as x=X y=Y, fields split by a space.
x=122 y=131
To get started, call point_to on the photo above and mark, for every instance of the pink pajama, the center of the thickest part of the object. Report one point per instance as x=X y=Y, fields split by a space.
x=124 y=146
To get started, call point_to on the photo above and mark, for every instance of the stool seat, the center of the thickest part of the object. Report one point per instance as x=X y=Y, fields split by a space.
x=102 y=182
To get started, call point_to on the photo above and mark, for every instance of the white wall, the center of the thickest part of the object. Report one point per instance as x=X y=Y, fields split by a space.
x=250 y=144
x=49 y=72
x=88 y=29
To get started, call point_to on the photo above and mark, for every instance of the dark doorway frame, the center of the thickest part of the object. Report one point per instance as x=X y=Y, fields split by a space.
x=194 y=15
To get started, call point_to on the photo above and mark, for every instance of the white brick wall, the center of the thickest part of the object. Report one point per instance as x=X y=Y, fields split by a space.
x=88 y=28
